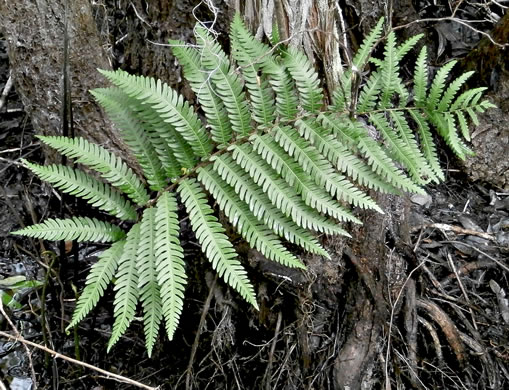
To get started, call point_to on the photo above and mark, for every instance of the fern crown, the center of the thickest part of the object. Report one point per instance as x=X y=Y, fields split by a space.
x=264 y=149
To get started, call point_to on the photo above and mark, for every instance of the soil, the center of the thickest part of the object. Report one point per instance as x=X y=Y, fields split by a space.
x=451 y=331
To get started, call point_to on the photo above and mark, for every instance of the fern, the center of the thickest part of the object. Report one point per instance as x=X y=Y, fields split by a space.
x=280 y=165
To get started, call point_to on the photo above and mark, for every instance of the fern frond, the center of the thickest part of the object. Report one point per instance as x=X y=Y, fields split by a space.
x=403 y=145
x=427 y=145
x=463 y=100
x=214 y=242
x=111 y=167
x=306 y=79
x=280 y=194
x=75 y=228
x=340 y=156
x=171 y=274
x=147 y=279
x=259 y=53
x=421 y=79
x=254 y=232
x=406 y=46
x=438 y=85
x=215 y=111
x=260 y=93
x=227 y=83
x=81 y=185
x=342 y=96
x=126 y=286
x=389 y=71
x=117 y=104
x=317 y=167
x=370 y=93
x=315 y=197
x=385 y=167
x=170 y=145
x=170 y=106
x=452 y=90
x=261 y=206
x=98 y=279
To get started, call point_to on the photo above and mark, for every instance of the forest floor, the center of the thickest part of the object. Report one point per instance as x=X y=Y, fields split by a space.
x=458 y=237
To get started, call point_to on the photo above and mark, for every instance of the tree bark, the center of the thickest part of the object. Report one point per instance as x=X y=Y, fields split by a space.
x=35 y=36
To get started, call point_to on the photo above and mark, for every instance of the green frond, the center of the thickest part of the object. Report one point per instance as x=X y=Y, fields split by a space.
x=438 y=85
x=340 y=156
x=283 y=86
x=257 y=52
x=78 y=183
x=389 y=71
x=315 y=197
x=261 y=94
x=227 y=83
x=317 y=167
x=406 y=46
x=368 y=44
x=370 y=93
x=75 y=228
x=173 y=150
x=126 y=286
x=464 y=99
x=282 y=196
x=211 y=103
x=147 y=278
x=421 y=78
x=170 y=106
x=214 y=242
x=385 y=167
x=251 y=229
x=342 y=95
x=117 y=106
x=402 y=145
x=446 y=127
x=462 y=121
x=170 y=267
x=261 y=206
x=427 y=145
x=111 y=167
x=306 y=79
x=98 y=279
x=452 y=90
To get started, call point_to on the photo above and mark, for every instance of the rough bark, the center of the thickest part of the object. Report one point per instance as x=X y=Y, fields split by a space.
x=35 y=34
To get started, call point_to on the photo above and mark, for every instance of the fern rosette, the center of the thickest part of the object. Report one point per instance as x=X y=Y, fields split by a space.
x=280 y=164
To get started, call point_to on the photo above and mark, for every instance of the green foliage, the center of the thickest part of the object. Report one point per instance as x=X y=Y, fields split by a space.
x=276 y=161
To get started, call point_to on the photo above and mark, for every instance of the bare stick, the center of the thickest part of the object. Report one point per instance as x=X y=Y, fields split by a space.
x=456 y=229
x=107 y=374
x=194 y=348
x=5 y=92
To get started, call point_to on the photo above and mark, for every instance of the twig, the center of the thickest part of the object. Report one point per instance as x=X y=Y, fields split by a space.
x=5 y=92
x=481 y=252
x=29 y=354
x=436 y=339
x=108 y=375
x=455 y=229
x=194 y=348
x=268 y=371
x=467 y=299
